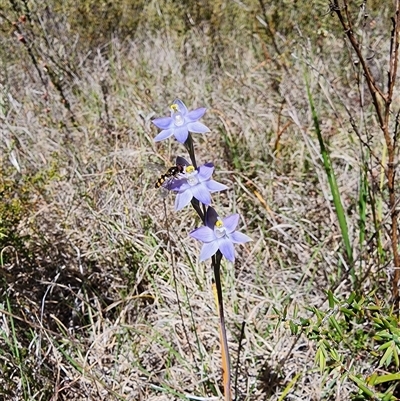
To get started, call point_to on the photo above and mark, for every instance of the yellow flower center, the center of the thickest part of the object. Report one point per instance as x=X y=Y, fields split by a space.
x=177 y=115
x=189 y=169
x=220 y=230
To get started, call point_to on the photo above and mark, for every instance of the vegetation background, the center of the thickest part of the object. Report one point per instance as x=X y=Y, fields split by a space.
x=94 y=261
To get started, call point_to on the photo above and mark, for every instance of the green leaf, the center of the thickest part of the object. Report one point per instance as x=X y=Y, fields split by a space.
x=386 y=323
x=374 y=308
x=320 y=358
x=295 y=311
x=294 y=328
x=371 y=380
x=336 y=325
x=387 y=357
x=331 y=300
x=386 y=378
x=347 y=312
x=351 y=298
x=340 y=213
x=382 y=335
x=362 y=205
x=385 y=346
x=377 y=320
x=361 y=385
x=388 y=396
x=289 y=387
x=334 y=354
x=396 y=354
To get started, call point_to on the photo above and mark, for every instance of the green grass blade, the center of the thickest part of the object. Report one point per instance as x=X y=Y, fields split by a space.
x=362 y=206
x=332 y=180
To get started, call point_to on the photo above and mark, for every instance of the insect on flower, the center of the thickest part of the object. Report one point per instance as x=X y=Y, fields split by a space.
x=170 y=174
x=195 y=183
x=166 y=179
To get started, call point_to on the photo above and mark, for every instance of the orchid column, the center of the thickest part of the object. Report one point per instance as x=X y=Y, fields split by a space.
x=194 y=185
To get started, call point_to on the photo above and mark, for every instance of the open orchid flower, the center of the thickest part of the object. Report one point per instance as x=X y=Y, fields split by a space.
x=195 y=183
x=180 y=123
x=219 y=234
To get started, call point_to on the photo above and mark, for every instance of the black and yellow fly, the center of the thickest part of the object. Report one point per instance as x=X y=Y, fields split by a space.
x=172 y=172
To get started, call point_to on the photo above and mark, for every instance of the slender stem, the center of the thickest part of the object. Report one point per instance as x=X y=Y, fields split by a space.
x=190 y=148
x=394 y=57
x=196 y=206
x=238 y=357
x=217 y=287
x=375 y=91
x=226 y=365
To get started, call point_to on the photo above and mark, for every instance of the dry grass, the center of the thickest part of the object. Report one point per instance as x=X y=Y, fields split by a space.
x=90 y=295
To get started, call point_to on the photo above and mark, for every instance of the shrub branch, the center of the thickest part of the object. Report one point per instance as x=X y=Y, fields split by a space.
x=382 y=103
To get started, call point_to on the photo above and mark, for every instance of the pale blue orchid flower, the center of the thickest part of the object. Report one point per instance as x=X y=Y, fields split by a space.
x=180 y=123
x=219 y=234
x=195 y=183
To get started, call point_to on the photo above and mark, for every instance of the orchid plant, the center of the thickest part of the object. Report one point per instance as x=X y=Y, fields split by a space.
x=194 y=185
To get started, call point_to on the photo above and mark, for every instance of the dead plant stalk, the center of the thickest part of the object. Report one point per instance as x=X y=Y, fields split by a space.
x=382 y=103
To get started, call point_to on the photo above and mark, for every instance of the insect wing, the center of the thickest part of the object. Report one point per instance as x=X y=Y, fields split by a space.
x=165 y=186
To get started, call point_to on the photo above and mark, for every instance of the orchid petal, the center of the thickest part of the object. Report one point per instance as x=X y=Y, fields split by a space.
x=178 y=185
x=204 y=234
x=205 y=172
x=163 y=122
x=195 y=115
x=214 y=186
x=209 y=249
x=211 y=217
x=197 y=128
x=181 y=106
x=181 y=133
x=201 y=193
x=164 y=134
x=227 y=249
x=182 y=199
x=180 y=160
x=184 y=185
x=231 y=222
x=239 y=238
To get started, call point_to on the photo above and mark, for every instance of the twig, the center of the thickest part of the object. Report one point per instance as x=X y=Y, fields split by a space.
x=382 y=104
